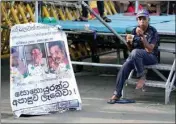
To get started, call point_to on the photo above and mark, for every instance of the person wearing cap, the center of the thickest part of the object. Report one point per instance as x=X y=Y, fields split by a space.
x=100 y=6
x=145 y=54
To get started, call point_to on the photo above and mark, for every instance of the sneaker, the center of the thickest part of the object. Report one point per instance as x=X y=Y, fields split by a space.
x=106 y=19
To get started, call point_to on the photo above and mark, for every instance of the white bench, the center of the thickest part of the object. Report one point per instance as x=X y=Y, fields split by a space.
x=167 y=83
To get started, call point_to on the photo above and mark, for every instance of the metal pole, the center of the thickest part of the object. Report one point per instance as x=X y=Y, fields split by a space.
x=168 y=4
x=102 y=21
x=96 y=64
x=36 y=11
x=39 y=10
x=136 y=6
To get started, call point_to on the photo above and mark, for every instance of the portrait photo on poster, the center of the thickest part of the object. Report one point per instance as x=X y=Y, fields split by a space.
x=18 y=69
x=57 y=58
x=36 y=59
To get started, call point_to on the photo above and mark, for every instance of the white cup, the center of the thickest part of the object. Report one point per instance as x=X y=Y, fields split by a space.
x=86 y=26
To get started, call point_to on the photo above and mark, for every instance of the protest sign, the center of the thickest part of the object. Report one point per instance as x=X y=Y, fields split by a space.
x=41 y=74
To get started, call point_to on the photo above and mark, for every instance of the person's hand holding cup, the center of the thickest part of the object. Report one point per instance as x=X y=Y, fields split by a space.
x=139 y=31
x=130 y=38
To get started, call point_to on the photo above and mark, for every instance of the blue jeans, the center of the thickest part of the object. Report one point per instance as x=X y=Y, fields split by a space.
x=136 y=60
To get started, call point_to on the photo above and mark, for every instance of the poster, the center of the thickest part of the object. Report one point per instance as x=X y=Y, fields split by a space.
x=41 y=74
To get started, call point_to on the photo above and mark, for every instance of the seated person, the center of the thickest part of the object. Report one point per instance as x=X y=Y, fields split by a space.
x=143 y=44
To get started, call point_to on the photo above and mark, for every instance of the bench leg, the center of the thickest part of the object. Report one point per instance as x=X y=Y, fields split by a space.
x=169 y=90
x=169 y=83
x=172 y=83
x=167 y=96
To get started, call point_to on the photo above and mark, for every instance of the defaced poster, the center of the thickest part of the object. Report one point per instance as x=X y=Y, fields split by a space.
x=41 y=74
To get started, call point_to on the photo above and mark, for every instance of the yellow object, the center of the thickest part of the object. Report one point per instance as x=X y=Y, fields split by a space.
x=14 y=15
x=21 y=10
x=107 y=8
x=93 y=4
x=61 y=14
x=4 y=13
x=30 y=12
x=53 y=13
x=74 y=14
x=82 y=49
x=111 y=5
x=68 y=14
x=45 y=11
x=5 y=56
x=4 y=43
x=88 y=48
x=74 y=53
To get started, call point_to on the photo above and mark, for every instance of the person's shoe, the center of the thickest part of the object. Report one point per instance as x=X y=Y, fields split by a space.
x=106 y=19
x=84 y=19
